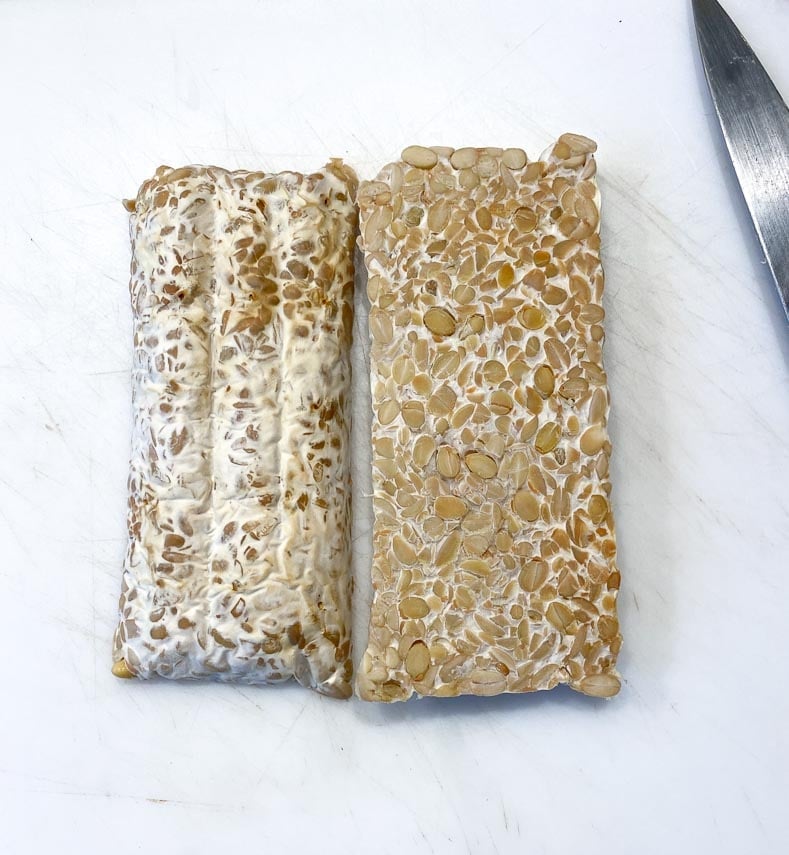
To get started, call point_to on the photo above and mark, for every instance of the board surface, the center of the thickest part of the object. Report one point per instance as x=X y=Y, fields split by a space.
x=694 y=748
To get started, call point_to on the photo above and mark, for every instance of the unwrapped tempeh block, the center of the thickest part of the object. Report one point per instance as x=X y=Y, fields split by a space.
x=238 y=564
x=494 y=554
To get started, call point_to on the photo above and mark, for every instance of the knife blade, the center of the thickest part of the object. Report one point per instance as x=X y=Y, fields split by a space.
x=755 y=124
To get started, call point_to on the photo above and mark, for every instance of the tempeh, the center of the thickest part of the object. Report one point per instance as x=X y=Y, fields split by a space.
x=494 y=555
x=238 y=563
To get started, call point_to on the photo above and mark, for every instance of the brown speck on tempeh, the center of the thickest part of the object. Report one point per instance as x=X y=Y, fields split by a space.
x=239 y=492
x=494 y=554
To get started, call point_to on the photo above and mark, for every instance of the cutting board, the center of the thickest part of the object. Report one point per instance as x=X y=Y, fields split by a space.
x=693 y=755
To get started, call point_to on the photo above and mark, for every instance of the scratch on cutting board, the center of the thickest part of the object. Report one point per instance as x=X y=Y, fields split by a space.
x=317 y=135
x=765 y=425
x=693 y=252
x=392 y=795
x=363 y=535
x=440 y=783
x=685 y=148
x=38 y=246
x=19 y=542
x=86 y=794
x=754 y=812
x=362 y=144
x=53 y=424
x=426 y=839
x=14 y=490
x=238 y=691
x=111 y=201
x=77 y=460
x=463 y=93
x=39 y=473
x=283 y=739
x=77 y=628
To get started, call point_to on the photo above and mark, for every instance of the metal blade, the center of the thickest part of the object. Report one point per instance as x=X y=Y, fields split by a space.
x=755 y=123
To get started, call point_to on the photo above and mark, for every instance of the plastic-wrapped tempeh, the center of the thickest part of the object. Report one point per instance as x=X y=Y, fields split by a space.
x=494 y=554
x=239 y=497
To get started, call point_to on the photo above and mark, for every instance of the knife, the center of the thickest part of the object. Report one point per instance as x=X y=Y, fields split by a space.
x=755 y=123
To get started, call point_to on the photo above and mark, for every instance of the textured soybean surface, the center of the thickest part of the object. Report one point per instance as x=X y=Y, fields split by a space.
x=239 y=521
x=494 y=555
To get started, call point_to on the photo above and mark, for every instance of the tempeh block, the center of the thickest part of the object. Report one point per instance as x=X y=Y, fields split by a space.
x=494 y=554
x=238 y=563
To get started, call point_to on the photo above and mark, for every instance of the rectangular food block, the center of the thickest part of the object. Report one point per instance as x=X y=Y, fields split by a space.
x=238 y=563
x=494 y=555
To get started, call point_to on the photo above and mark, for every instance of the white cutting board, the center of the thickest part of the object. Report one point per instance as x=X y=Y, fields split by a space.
x=693 y=756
